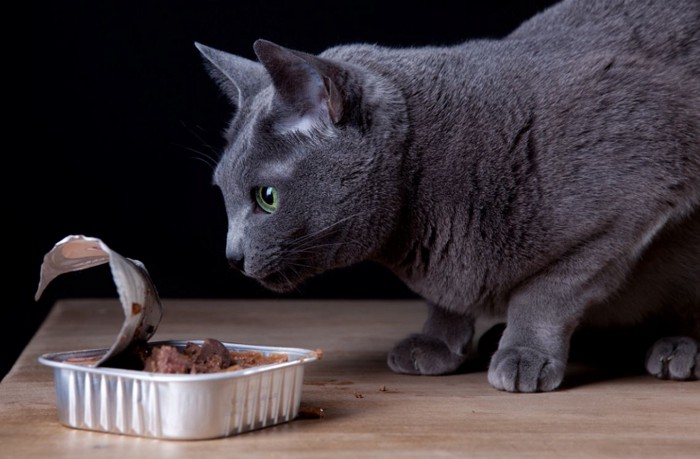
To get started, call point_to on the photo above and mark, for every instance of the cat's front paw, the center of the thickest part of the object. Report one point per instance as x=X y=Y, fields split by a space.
x=522 y=369
x=421 y=354
x=674 y=358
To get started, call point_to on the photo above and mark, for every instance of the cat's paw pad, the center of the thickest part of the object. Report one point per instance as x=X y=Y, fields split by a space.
x=522 y=369
x=423 y=355
x=674 y=358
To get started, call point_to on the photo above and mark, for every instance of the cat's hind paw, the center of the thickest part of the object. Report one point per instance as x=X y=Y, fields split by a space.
x=522 y=369
x=674 y=358
x=420 y=354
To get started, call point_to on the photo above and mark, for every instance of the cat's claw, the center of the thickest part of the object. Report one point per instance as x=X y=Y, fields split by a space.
x=420 y=354
x=522 y=369
x=674 y=358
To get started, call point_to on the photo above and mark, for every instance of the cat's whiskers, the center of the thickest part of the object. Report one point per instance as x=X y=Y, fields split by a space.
x=202 y=156
x=323 y=231
x=293 y=258
x=289 y=282
x=210 y=157
x=312 y=248
x=294 y=284
x=312 y=243
x=297 y=264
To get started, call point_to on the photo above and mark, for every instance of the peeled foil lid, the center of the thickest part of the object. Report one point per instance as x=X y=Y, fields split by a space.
x=137 y=294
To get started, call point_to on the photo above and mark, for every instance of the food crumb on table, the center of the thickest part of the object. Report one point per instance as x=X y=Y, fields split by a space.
x=311 y=412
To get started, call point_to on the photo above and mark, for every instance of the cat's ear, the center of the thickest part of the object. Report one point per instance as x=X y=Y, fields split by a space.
x=239 y=78
x=307 y=85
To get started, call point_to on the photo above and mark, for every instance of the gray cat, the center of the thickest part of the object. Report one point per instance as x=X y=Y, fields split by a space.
x=551 y=178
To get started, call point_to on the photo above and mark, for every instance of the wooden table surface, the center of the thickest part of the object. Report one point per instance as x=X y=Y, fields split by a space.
x=594 y=415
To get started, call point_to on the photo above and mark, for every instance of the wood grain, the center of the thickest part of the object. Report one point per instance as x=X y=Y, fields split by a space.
x=369 y=412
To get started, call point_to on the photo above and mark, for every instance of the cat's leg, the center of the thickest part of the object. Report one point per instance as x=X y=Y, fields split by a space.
x=441 y=348
x=544 y=313
x=534 y=348
x=674 y=358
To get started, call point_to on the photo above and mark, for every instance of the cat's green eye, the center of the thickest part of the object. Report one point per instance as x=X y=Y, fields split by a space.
x=266 y=197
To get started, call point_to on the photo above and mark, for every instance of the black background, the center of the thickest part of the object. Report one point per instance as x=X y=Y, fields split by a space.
x=126 y=126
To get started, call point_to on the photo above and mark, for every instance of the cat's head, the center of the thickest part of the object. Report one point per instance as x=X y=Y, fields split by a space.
x=311 y=175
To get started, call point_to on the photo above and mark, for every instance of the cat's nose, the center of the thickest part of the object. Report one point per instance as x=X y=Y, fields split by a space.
x=235 y=259
x=236 y=262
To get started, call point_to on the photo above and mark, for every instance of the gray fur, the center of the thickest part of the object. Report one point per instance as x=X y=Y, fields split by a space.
x=551 y=177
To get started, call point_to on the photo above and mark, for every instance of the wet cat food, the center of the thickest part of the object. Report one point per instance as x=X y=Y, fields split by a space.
x=190 y=391
x=211 y=357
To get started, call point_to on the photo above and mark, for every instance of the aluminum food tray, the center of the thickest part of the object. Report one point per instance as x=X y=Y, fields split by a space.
x=177 y=406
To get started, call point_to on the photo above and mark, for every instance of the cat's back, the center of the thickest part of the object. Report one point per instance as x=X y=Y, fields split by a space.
x=565 y=37
x=657 y=30
x=602 y=66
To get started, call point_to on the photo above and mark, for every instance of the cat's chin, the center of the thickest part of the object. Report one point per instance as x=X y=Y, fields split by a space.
x=278 y=282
